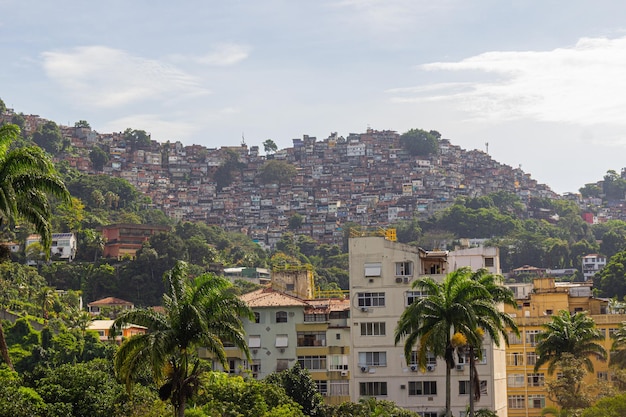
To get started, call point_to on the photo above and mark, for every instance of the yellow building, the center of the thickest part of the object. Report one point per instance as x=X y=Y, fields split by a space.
x=536 y=303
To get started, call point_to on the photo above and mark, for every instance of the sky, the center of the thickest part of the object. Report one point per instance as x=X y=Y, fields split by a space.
x=540 y=85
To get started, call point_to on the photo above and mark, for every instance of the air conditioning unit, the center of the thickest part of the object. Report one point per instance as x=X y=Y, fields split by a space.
x=399 y=280
x=430 y=367
x=254 y=351
x=414 y=368
x=365 y=369
x=460 y=367
x=406 y=280
x=344 y=373
x=282 y=350
x=364 y=309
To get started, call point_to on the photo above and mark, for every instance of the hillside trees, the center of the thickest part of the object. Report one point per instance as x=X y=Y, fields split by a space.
x=277 y=172
x=419 y=142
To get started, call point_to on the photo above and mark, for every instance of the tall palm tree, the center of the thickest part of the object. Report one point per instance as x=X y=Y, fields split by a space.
x=499 y=295
x=27 y=179
x=459 y=305
x=203 y=313
x=575 y=334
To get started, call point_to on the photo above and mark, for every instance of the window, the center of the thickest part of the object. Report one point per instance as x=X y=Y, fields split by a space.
x=312 y=362
x=549 y=312
x=515 y=359
x=514 y=339
x=422 y=387
x=404 y=269
x=516 y=401
x=339 y=388
x=603 y=333
x=338 y=336
x=281 y=317
x=257 y=317
x=373 y=269
x=536 y=401
x=372 y=388
x=255 y=368
x=282 y=340
x=373 y=329
x=371 y=299
x=603 y=376
x=413 y=296
x=464 y=387
x=515 y=380
x=282 y=364
x=372 y=358
x=311 y=338
x=431 y=359
x=531 y=337
x=338 y=362
x=536 y=380
x=612 y=331
x=483 y=387
x=254 y=341
x=531 y=358
x=322 y=387
x=312 y=317
x=489 y=263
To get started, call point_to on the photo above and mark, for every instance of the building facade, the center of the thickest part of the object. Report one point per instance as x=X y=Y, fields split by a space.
x=381 y=274
x=124 y=240
x=536 y=303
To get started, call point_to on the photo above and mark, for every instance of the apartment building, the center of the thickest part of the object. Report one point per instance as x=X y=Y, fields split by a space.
x=289 y=327
x=536 y=302
x=592 y=264
x=124 y=240
x=381 y=274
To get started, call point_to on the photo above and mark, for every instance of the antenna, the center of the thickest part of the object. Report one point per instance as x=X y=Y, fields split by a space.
x=487 y=147
x=243 y=140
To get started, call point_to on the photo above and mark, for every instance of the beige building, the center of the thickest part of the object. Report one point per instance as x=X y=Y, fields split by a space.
x=292 y=327
x=381 y=274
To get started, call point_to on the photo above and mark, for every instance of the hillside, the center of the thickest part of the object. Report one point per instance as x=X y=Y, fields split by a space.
x=367 y=178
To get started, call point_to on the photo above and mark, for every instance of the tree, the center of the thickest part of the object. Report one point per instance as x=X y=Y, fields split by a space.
x=296 y=221
x=279 y=172
x=203 y=313
x=419 y=142
x=461 y=306
x=27 y=179
x=299 y=385
x=608 y=407
x=270 y=146
x=99 y=158
x=48 y=136
x=618 y=348
x=567 y=333
x=82 y=124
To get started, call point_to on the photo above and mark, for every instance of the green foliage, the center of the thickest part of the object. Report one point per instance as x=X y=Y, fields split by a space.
x=99 y=158
x=419 y=142
x=569 y=334
x=225 y=173
x=299 y=385
x=222 y=394
x=48 y=136
x=277 y=172
x=82 y=124
x=607 y=407
x=611 y=280
x=270 y=146
x=83 y=187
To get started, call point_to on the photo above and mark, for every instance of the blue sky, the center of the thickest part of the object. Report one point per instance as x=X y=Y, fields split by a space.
x=543 y=82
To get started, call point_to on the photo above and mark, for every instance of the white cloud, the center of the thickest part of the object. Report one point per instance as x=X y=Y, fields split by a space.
x=582 y=84
x=222 y=55
x=100 y=76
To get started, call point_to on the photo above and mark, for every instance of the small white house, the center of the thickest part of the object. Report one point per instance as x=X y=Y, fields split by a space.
x=63 y=245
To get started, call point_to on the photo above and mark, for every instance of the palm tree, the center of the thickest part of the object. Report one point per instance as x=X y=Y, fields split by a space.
x=203 y=313
x=454 y=313
x=575 y=334
x=618 y=348
x=500 y=295
x=27 y=178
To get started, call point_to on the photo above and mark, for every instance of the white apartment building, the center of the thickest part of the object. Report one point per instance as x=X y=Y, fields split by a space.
x=592 y=264
x=381 y=274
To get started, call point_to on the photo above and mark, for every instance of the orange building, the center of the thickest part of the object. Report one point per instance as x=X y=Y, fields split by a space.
x=124 y=240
